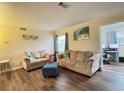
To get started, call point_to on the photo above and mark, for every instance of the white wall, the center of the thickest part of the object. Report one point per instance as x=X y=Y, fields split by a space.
x=93 y=43
x=17 y=44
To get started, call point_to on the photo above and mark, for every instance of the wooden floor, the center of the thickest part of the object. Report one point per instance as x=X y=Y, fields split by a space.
x=111 y=78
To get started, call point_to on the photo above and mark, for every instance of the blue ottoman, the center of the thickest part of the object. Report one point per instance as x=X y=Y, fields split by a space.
x=50 y=69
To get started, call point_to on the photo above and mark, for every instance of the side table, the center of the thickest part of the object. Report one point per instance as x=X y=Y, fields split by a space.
x=4 y=65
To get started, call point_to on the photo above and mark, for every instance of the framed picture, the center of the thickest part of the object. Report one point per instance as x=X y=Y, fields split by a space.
x=81 y=33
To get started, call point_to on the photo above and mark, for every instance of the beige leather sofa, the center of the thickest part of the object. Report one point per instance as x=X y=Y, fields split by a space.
x=84 y=62
x=29 y=64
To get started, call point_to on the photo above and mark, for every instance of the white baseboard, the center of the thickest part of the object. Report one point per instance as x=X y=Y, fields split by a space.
x=11 y=69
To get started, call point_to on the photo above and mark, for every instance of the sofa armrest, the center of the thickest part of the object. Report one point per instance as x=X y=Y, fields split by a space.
x=93 y=64
x=26 y=63
x=27 y=60
x=95 y=57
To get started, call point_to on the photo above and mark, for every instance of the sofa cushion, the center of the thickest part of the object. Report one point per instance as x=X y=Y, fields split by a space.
x=31 y=56
x=24 y=55
x=73 y=55
x=89 y=53
x=36 y=54
x=42 y=53
x=83 y=56
x=39 y=60
x=80 y=64
x=62 y=60
x=80 y=56
x=66 y=55
x=70 y=61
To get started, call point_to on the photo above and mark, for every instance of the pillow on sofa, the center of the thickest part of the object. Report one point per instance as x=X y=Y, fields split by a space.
x=42 y=53
x=24 y=55
x=85 y=57
x=73 y=54
x=89 y=53
x=66 y=55
x=36 y=54
x=31 y=56
x=80 y=56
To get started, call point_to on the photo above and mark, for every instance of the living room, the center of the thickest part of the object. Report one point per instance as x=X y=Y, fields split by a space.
x=64 y=32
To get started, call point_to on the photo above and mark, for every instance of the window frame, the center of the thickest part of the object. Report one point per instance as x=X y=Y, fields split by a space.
x=58 y=44
x=120 y=43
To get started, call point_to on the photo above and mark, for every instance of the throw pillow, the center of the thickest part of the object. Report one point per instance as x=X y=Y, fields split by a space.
x=73 y=54
x=31 y=56
x=24 y=54
x=66 y=55
x=60 y=56
x=37 y=54
x=42 y=53
x=85 y=57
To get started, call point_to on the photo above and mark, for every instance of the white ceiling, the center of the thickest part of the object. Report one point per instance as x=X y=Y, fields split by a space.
x=51 y=17
x=113 y=27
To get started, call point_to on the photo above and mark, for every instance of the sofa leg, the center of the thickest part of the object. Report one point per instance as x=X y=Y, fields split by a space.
x=100 y=69
x=45 y=76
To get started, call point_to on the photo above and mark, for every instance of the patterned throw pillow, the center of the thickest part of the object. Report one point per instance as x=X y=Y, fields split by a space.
x=24 y=54
x=66 y=55
x=36 y=54
x=85 y=57
x=73 y=54
x=31 y=56
x=42 y=53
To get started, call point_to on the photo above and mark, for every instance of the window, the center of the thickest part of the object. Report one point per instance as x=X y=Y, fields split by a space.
x=120 y=38
x=61 y=43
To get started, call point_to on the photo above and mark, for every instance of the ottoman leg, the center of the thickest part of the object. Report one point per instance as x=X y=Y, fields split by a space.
x=45 y=76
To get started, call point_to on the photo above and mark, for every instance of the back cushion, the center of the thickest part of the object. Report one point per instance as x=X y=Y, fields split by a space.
x=36 y=54
x=73 y=54
x=24 y=54
x=80 y=56
x=31 y=56
x=42 y=53
x=89 y=53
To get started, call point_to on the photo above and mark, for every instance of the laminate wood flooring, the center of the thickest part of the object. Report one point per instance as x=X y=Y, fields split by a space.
x=110 y=79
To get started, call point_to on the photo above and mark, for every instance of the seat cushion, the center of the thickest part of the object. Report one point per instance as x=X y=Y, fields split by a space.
x=39 y=60
x=62 y=60
x=79 y=63
x=70 y=61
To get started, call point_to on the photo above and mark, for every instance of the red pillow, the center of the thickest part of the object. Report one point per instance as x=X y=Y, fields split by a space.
x=49 y=61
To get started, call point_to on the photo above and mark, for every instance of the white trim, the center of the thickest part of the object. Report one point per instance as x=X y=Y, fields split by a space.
x=8 y=70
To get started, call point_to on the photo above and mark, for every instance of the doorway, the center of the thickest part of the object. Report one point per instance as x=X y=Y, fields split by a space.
x=112 y=42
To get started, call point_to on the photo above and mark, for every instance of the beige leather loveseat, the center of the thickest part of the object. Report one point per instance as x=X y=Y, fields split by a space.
x=37 y=61
x=84 y=62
